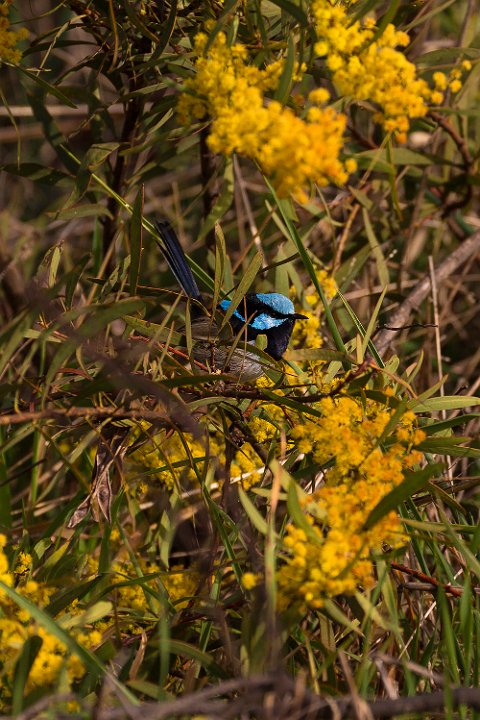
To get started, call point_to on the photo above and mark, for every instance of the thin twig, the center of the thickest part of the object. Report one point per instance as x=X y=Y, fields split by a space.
x=456 y=592
x=467 y=159
x=469 y=247
x=287 y=699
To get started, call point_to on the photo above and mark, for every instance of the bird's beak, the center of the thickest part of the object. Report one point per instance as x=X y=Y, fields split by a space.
x=297 y=316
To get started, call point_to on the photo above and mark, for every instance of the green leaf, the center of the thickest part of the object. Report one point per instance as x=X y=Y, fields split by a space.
x=224 y=200
x=293 y=10
x=351 y=268
x=373 y=321
x=257 y=520
x=136 y=240
x=51 y=89
x=52 y=131
x=98 y=153
x=29 y=652
x=75 y=593
x=315 y=354
x=332 y=609
x=399 y=156
x=153 y=330
x=443 y=425
x=298 y=516
x=448 y=55
x=220 y=257
x=361 y=196
x=388 y=18
x=361 y=330
x=38 y=173
x=302 y=408
x=226 y=14
x=90 y=615
x=84 y=210
x=376 y=249
x=295 y=237
x=446 y=402
x=243 y=286
x=167 y=30
x=448 y=446
x=13 y=334
x=286 y=79
x=184 y=649
x=71 y=280
x=98 y=318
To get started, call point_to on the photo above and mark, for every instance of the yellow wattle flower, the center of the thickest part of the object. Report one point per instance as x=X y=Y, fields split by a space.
x=292 y=151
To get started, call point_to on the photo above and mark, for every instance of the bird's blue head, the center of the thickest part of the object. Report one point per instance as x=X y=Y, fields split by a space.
x=270 y=314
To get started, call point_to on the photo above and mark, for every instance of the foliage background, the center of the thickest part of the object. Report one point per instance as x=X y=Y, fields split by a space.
x=128 y=610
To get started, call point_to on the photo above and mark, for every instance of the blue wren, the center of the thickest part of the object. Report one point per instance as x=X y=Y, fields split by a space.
x=226 y=350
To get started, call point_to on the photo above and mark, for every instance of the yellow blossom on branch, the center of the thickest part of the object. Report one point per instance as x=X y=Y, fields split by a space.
x=17 y=626
x=24 y=563
x=179 y=460
x=179 y=583
x=373 y=69
x=308 y=333
x=250 y=580
x=9 y=39
x=292 y=151
x=335 y=556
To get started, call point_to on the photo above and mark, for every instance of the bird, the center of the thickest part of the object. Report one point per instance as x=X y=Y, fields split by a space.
x=227 y=349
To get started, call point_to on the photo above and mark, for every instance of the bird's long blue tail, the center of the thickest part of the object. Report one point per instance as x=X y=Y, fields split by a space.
x=175 y=257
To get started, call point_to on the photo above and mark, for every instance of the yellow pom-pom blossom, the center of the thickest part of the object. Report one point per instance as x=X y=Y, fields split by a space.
x=177 y=460
x=24 y=563
x=334 y=556
x=250 y=580
x=167 y=459
x=307 y=334
x=180 y=585
x=17 y=626
x=375 y=70
x=292 y=151
x=9 y=39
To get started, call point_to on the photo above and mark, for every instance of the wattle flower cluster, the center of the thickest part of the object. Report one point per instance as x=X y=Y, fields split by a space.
x=292 y=151
x=170 y=459
x=9 y=39
x=178 y=461
x=332 y=553
x=54 y=663
x=17 y=626
x=375 y=70
x=307 y=334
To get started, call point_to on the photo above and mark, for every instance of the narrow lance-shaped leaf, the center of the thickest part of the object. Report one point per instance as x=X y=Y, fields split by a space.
x=220 y=256
x=243 y=286
x=285 y=83
x=30 y=650
x=223 y=203
x=136 y=233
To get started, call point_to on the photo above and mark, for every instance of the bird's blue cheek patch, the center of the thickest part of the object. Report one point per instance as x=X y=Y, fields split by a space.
x=265 y=322
x=261 y=322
